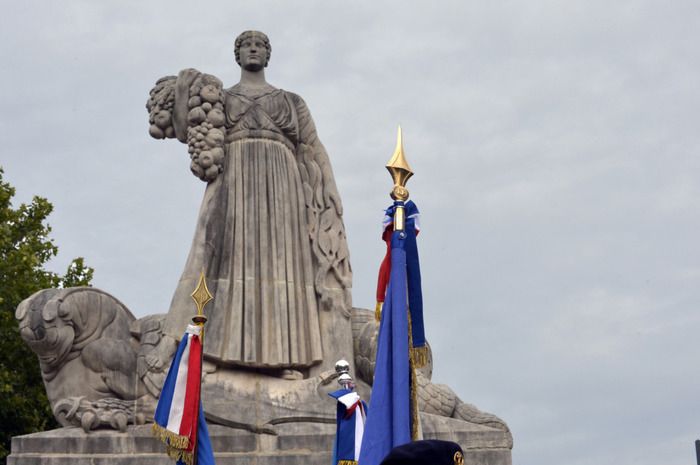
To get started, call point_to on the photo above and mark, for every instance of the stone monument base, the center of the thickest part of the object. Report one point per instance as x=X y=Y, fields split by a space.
x=292 y=444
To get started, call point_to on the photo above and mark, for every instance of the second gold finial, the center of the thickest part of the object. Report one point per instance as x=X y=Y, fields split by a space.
x=201 y=297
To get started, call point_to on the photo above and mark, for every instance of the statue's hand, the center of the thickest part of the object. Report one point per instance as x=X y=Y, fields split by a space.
x=190 y=107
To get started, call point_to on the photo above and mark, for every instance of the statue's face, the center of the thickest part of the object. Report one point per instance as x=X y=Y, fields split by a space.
x=253 y=54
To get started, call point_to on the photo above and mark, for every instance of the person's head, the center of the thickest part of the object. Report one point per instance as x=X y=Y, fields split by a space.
x=252 y=49
x=426 y=452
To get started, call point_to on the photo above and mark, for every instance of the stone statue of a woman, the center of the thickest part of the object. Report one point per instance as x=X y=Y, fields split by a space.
x=270 y=236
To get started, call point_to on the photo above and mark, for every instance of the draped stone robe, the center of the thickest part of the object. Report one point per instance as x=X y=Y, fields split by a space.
x=269 y=238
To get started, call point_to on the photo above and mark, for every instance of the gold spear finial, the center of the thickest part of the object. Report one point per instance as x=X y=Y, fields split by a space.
x=400 y=172
x=201 y=297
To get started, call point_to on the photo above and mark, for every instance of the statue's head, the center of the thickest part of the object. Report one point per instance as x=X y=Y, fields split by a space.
x=256 y=50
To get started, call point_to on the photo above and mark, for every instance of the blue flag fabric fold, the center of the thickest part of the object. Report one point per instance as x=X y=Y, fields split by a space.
x=205 y=453
x=389 y=420
x=415 y=292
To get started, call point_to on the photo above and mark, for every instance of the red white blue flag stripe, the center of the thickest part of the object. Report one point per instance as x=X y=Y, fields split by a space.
x=179 y=417
x=350 y=426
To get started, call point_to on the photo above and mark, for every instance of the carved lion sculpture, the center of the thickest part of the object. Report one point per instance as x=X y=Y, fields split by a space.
x=86 y=353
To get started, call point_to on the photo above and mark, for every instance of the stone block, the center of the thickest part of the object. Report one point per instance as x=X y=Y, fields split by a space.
x=296 y=443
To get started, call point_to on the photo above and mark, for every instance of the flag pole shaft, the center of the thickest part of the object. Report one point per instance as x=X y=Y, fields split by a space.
x=201 y=297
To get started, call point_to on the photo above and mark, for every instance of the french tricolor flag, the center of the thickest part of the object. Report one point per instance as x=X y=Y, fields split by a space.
x=350 y=423
x=179 y=418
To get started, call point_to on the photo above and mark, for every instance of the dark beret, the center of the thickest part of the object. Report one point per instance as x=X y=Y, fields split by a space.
x=428 y=452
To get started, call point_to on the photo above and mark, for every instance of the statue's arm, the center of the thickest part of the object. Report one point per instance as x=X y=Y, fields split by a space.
x=181 y=91
x=190 y=107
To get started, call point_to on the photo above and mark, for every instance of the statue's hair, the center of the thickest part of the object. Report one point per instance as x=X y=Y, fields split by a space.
x=247 y=35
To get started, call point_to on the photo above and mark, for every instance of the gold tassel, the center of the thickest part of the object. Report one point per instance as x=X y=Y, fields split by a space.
x=378 y=312
x=171 y=439
x=175 y=444
x=180 y=455
x=414 y=406
x=415 y=419
x=347 y=462
x=419 y=356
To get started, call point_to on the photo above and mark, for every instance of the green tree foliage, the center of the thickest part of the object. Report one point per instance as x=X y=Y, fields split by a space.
x=25 y=247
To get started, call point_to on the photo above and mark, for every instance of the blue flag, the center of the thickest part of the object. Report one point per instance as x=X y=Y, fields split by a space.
x=390 y=414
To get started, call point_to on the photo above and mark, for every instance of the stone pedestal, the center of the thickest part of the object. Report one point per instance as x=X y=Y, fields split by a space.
x=292 y=444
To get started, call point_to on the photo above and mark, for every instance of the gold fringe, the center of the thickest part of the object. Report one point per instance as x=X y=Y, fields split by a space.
x=347 y=462
x=415 y=418
x=378 y=312
x=171 y=440
x=419 y=356
x=180 y=455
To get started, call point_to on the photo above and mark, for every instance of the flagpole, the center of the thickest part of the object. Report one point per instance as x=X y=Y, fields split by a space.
x=201 y=297
x=401 y=172
x=392 y=417
x=179 y=416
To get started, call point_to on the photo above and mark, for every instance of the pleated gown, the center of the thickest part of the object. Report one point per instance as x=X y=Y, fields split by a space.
x=252 y=241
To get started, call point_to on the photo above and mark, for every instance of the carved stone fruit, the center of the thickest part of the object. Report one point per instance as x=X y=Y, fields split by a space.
x=212 y=172
x=196 y=115
x=162 y=119
x=210 y=93
x=194 y=102
x=217 y=154
x=215 y=137
x=216 y=117
x=206 y=159
x=156 y=132
x=196 y=169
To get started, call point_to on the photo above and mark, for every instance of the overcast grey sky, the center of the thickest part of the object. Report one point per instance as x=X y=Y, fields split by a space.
x=556 y=147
